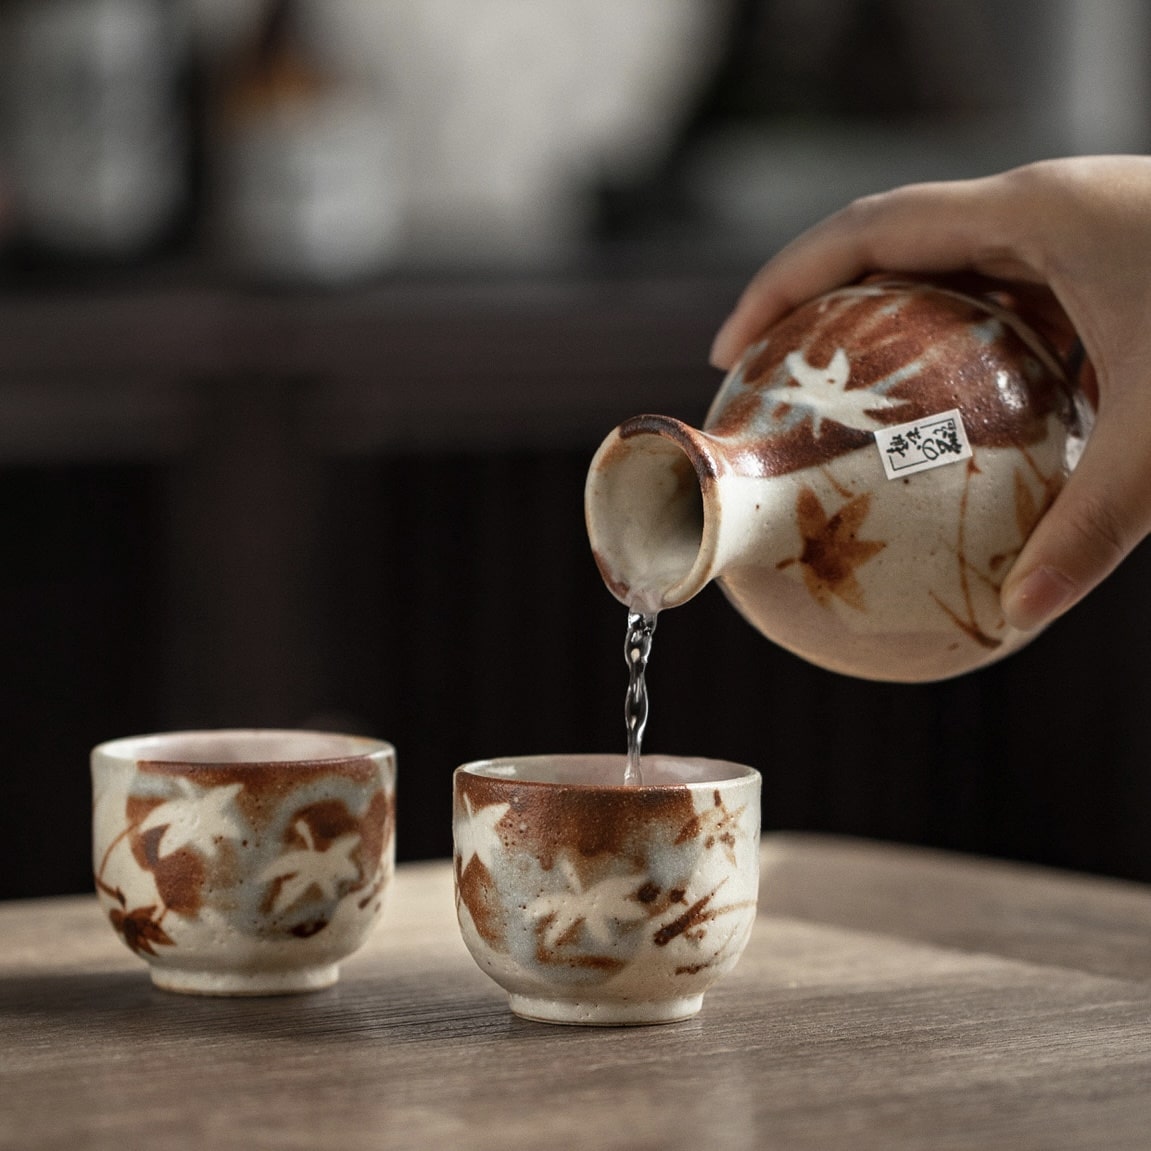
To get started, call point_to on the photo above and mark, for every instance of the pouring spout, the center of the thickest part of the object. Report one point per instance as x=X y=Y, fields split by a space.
x=652 y=511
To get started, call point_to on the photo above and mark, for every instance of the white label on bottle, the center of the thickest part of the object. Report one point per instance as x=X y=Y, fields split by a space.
x=922 y=444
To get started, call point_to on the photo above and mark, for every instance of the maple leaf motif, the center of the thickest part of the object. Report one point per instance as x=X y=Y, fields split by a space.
x=824 y=392
x=139 y=929
x=304 y=868
x=596 y=908
x=476 y=832
x=714 y=826
x=831 y=548
x=195 y=814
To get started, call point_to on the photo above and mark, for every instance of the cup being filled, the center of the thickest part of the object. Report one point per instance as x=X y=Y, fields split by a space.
x=594 y=901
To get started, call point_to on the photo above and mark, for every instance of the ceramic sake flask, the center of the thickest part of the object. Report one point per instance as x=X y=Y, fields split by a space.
x=864 y=480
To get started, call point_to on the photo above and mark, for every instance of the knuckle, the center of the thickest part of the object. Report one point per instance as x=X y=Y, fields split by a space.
x=865 y=209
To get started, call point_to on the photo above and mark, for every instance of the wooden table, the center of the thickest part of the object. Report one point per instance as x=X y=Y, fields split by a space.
x=890 y=998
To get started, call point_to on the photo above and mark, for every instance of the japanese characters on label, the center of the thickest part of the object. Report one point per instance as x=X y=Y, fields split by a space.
x=921 y=444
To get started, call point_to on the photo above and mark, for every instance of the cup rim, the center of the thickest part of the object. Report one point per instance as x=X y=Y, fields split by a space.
x=150 y=747
x=504 y=769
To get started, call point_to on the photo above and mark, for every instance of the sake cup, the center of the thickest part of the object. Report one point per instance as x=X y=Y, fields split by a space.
x=243 y=862
x=594 y=902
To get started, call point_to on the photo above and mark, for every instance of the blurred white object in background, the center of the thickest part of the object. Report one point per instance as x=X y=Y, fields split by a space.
x=306 y=179
x=97 y=145
x=506 y=113
x=513 y=110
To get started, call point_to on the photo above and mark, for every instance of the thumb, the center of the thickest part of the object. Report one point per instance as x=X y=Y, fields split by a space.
x=1103 y=511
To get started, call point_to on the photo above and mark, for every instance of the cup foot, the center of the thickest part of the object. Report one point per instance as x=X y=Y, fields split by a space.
x=610 y=1013
x=198 y=982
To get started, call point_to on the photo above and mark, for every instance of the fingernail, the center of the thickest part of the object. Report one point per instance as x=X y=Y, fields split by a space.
x=1037 y=598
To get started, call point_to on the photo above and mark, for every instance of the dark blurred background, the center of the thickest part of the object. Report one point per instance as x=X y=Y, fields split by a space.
x=312 y=315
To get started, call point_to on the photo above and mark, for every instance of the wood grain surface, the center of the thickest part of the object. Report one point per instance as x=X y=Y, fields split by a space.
x=890 y=998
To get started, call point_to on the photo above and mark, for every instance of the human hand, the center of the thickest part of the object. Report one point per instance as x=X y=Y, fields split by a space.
x=1077 y=233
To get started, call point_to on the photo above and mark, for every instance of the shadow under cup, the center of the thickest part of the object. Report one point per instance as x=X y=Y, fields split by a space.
x=243 y=862
x=590 y=901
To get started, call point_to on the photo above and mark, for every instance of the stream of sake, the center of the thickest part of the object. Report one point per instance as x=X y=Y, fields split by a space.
x=637 y=650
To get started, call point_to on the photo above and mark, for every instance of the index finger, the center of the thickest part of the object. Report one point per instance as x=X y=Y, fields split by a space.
x=938 y=227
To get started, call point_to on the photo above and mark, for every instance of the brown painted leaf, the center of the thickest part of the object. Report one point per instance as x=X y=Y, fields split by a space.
x=139 y=929
x=832 y=549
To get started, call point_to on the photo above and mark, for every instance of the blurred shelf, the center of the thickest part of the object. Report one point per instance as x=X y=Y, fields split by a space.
x=124 y=367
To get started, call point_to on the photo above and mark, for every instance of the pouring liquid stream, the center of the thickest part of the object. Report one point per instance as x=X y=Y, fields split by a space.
x=637 y=649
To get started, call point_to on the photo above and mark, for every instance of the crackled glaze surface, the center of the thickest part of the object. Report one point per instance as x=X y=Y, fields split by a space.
x=233 y=872
x=885 y=578
x=594 y=903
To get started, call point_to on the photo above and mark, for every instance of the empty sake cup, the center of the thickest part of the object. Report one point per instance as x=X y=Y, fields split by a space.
x=245 y=862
